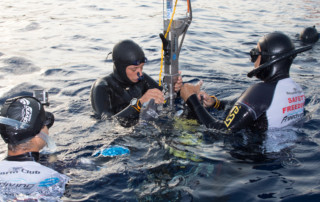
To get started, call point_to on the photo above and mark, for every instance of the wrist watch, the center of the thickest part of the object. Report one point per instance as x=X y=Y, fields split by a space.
x=135 y=104
x=133 y=101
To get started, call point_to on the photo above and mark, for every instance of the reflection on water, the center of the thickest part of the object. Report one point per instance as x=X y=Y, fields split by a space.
x=61 y=46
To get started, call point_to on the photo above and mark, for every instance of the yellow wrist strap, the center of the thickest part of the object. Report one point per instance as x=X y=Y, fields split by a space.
x=137 y=106
x=217 y=103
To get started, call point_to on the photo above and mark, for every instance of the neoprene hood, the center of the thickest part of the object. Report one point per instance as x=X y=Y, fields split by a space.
x=278 y=53
x=126 y=53
x=309 y=35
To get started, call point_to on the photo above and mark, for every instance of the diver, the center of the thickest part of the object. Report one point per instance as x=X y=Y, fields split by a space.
x=309 y=35
x=122 y=93
x=275 y=102
x=24 y=126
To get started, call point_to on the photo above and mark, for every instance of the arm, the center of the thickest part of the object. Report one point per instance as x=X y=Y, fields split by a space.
x=152 y=90
x=100 y=97
x=106 y=105
x=239 y=117
x=129 y=116
x=211 y=102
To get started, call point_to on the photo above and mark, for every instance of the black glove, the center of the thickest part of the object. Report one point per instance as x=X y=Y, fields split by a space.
x=149 y=111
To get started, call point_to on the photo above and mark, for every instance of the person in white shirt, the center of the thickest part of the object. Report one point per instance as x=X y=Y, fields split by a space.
x=275 y=102
x=24 y=126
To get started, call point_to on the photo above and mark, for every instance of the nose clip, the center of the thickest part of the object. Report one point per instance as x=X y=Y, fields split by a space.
x=139 y=77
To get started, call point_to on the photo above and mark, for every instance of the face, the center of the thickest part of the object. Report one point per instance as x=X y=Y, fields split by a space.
x=257 y=62
x=132 y=72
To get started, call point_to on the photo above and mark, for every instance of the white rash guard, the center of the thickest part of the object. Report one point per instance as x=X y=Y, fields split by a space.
x=287 y=106
x=29 y=178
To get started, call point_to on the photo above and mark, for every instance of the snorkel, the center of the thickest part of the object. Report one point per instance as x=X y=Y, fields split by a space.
x=50 y=144
x=277 y=59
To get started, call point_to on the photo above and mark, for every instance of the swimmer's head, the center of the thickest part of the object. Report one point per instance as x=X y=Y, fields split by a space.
x=126 y=53
x=276 y=56
x=22 y=118
x=309 y=35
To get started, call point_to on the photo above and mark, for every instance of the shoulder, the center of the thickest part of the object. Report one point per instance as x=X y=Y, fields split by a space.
x=103 y=81
x=29 y=167
x=103 y=84
x=148 y=78
x=259 y=91
x=288 y=82
x=150 y=82
x=258 y=97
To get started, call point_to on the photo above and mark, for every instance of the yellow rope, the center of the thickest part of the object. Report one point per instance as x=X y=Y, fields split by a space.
x=165 y=36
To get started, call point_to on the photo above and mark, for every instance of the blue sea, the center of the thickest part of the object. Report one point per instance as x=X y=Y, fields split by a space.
x=62 y=46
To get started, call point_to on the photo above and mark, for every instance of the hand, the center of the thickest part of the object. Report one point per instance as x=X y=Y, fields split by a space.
x=155 y=94
x=178 y=84
x=207 y=101
x=149 y=111
x=189 y=89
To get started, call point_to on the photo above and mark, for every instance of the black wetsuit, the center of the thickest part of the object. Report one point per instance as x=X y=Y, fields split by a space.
x=110 y=97
x=261 y=107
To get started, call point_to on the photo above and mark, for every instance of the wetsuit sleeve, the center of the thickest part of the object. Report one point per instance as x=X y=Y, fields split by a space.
x=101 y=99
x=103 y=107
x=221 y=106
x=128 y=117
x=239 y=116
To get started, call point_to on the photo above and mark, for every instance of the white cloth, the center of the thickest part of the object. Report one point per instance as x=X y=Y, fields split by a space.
x=287 y=105
x=31 y=179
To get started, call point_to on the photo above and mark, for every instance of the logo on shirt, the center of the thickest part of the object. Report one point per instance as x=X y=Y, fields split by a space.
x=294 y=109
x=16 y=185
x=295 y=103
x=295 y=91
x=16 y=170
x=291 y=117
x=49 y=182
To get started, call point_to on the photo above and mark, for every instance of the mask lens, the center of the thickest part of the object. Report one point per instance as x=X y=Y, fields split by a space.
x=49 y=119
x=254 y=53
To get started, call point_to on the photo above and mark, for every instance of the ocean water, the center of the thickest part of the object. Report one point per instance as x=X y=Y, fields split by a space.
x=62 y=45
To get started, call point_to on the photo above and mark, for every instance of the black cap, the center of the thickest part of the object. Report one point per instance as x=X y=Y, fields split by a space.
x=309 y=35
x=22 y=118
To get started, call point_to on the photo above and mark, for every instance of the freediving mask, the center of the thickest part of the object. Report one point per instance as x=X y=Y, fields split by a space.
x=254 y=54
x=138 y=62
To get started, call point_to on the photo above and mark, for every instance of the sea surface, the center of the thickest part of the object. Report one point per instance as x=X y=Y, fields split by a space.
x=62 y=46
